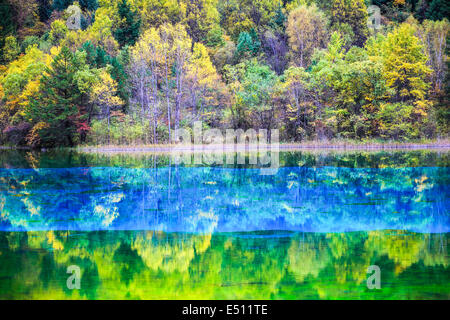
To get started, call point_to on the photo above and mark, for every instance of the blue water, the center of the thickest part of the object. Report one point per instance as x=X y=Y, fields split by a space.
x=218 y=199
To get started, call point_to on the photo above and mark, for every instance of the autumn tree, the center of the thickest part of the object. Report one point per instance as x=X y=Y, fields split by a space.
x=293 y=94
x=144 y=67
x=19 y=82
x=161 y=59
x=433 y=35
x=11 y=49
x=100 y=33
x=145 y=72
x=58 y=32
x=25 y=16
x=404 y=64
x=104 y=96
x=307 y=30
x=201 y=16
x=350 y=17
x=406 y=110
x=203 y=81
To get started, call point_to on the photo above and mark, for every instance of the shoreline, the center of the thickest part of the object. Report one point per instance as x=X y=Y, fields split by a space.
x=326 y=146
x=444 y=145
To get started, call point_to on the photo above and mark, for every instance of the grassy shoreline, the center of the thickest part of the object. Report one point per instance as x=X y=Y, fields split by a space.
x=284 y=146
x=310 y=145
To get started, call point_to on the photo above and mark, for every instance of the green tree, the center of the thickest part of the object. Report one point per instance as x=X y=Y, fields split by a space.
x=45 y=10
x=438 y=10
x=248 y=44
x=398 y=121
x=242 y=15
x=127 y=32
x=61 y=5
x=257 y=87
x=104 y=96
x=55 y=109
x=348 y=86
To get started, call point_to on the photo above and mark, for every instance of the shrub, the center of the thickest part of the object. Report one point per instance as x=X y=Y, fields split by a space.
x=16 y=134
x=399 y=121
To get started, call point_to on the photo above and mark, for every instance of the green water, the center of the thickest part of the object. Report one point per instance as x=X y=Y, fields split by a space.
x=140 y=227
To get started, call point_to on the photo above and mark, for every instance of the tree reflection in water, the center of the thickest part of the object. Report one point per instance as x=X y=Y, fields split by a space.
x=308 y=232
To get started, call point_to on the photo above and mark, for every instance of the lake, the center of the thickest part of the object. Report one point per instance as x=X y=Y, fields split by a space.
x=142 y=226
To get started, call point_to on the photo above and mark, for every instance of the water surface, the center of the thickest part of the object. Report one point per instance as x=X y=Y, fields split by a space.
x=141 y=227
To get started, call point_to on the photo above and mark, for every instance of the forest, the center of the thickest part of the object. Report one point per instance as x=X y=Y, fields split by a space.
x=129 y=72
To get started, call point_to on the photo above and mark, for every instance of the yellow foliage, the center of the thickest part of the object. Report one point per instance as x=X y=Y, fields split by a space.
x=201 y=67
x=104 y=91
x=33 y=137
x=399 y=2
x=19 y=80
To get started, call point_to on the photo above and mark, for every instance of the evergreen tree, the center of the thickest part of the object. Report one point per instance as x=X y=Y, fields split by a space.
x=101 y=57
x=128 y=30
x=119 y=75
x=421 y=10
x=248 y=43
x=97 y=57
x=90 y=50
x=7 y=24
x=45 y=10
x=438 y=10
x=90 y=5
x=279 y=18
x=61 y=5
x=55 y=109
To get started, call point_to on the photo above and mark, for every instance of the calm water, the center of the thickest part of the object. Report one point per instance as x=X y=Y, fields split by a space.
x=140 y=227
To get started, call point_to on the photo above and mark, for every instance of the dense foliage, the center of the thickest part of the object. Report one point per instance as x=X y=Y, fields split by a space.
x=137 y=69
